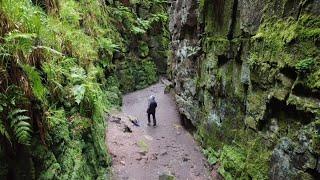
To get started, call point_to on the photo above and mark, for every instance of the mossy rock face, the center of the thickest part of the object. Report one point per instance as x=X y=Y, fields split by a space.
x=135 y=74
x=143 y=49
x=256 y=83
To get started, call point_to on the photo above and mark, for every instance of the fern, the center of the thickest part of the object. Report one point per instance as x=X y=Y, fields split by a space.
x=78 y=92
x=137 y=30
x=37 y=87
x=108 y=45
x=21 y=128
x=17 y=41
x=69 y=12
x=3 y=130
x=305 y=65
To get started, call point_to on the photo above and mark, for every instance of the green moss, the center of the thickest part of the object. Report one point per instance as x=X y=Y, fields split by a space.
x=277 y=33
x=304 y=104
x=304 y=176
x=272 y=41
x=233 y=160
x=247 y=160
x=73 y=60
x=305 y=65
x=314 y=80
x=37 y=87
x=69 y=12
x=218 y=44
x=212 y=155
x=225 y=174
x=217 y=17
x=256 y=107
x=258 y=159
x=137 y=75
x=316 y=137
x=143 y=49
x=46 y=162
x=251 y=122
x=309 y=26
x=243 y=119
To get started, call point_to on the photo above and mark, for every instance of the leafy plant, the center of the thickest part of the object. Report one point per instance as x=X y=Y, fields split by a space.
x=212 y=155
x=19 y=42
x=63 y=51
x=55 y=117
x=3 y=130
x=144 y=49
x=37 y=87
x=143 y=146
x=14 y=124
x=305 y=65
x=137 y=30
x=77 y=75
x=108 y=45
x=69 y=12
x=78 y=92
x=20 y=126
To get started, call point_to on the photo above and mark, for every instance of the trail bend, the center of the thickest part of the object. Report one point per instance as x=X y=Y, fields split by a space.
x=148 y=152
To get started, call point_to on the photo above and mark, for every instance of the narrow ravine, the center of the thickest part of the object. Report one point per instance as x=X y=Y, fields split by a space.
x=148 y=152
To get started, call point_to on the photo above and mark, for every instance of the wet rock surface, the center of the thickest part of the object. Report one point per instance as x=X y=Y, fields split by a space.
x=245 y=84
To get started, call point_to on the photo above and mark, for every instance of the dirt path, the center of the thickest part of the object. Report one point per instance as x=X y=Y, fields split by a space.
x=148 y=152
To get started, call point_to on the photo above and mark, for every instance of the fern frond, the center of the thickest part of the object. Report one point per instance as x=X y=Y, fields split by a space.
x=21 y=128
x=3 y=130
x=15 y=112
x=18 y=119
x=37 y=87
x=18 y=35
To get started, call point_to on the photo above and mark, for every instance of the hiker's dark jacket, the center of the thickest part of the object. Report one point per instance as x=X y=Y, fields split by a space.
x=152 y=108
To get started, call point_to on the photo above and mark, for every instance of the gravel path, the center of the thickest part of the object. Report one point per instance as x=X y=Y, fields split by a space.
x=146 y=152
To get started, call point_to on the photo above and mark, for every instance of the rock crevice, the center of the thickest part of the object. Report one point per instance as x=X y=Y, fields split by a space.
x=246 y=74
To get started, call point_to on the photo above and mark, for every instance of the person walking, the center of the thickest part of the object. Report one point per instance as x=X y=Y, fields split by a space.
x=152 y=105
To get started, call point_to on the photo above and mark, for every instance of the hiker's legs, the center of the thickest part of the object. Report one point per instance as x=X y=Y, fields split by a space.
x=149 y=118
x=154 y=119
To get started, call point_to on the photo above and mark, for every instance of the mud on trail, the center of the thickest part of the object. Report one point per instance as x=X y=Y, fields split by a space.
x=144 y=152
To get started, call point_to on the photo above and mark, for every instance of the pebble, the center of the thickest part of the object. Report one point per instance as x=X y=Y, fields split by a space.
x=185 y=159
x=148 y=137
x=164 y=153
x=197 y=174
x=143 y=153
x=154 y=156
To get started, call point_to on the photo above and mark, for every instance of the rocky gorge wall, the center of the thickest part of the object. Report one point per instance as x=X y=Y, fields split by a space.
x=146 y=37
x=246 y=74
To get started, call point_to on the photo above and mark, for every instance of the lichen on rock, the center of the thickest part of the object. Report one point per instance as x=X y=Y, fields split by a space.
x=257 y=91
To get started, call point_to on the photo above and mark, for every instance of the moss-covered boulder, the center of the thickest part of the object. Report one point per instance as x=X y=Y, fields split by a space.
x=255 y=64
